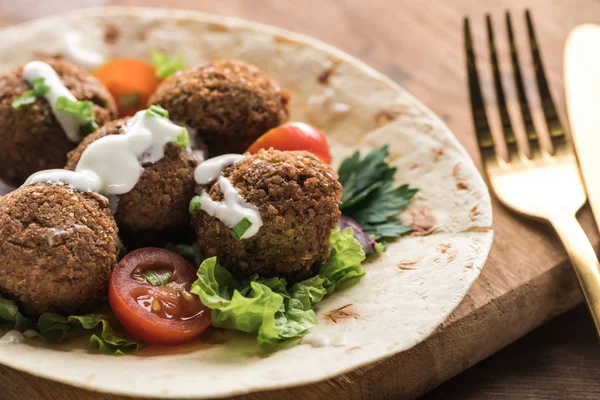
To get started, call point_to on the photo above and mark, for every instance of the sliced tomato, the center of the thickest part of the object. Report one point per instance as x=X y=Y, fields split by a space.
x=130 y=81
x=149 y=294
x=294 y=136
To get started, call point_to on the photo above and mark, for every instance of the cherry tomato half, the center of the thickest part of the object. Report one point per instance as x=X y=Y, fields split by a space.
x=164 y=313
x=294 y=136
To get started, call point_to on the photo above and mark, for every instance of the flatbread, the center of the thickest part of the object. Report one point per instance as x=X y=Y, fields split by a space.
x=406 y=294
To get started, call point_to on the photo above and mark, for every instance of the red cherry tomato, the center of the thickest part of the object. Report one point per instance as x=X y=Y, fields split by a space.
x=166 y=314
x=294 y=136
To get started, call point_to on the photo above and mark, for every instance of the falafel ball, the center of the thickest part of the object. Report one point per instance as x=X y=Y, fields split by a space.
x=159 y=201
x=57 y=248
x=297 y=196
x=228 y=104
x=31 y=138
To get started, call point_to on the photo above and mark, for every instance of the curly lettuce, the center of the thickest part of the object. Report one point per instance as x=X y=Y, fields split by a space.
x=53 y=328
x=276 y=312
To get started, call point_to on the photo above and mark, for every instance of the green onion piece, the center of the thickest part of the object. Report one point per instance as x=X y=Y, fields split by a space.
x=195 y=204
x=157 y=111
x=157 y=277
x=129 y=100
x=88 y=128
x=83 y=109
x=165 y=66
x=39 y=89
x=183 y=139
x=241 y=228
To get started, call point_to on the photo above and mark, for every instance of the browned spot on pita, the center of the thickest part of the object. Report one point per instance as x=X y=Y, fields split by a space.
x=407 y=265
x=323 y=77
x=456 y=170
x=479 y=229
x=438 y=153
x=111 y=33
x=214 y=27
x=142 y=34
x=452 y=255
x=422 y=221
x=286 y=41
x=352 y=349
x=474 y=213
x=42 y=55
x=386 y=116
x=341 y=314
x=426 y=128
x=445 y=247
x=461 y=185
x=469 y=266
x=413 y=166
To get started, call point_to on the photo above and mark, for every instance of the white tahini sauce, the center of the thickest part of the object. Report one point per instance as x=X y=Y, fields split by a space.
x=12 y=337
x=323 y=340
x=69 y=122
x=234 y=208
x=112 y=165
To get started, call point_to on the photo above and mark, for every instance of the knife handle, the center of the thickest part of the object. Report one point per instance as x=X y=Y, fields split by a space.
x=584 y=260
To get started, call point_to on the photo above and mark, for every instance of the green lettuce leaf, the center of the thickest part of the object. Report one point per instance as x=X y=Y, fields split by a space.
x=53 y=328
x=277 y=313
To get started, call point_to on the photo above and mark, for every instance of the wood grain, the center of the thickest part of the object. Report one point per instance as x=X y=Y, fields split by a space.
x=527 y=279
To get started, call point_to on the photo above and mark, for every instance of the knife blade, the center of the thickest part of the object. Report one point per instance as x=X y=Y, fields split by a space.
x=582 y=86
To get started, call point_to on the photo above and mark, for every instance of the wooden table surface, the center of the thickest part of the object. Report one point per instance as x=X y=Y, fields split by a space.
x=419 y=44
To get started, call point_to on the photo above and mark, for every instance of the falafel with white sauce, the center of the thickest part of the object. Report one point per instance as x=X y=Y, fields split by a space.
x=297 y=197
x=57 y=248
x=33 y=135
x=227 y=104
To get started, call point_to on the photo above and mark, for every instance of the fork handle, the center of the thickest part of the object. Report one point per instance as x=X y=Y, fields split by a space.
x=584 y=261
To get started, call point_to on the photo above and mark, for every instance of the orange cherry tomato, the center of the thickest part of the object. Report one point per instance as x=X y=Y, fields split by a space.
x=130 y=81
x=165 y=313
x=294 y=136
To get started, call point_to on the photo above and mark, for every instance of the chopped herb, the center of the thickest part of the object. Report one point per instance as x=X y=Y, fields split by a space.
x=39 y=89
x=157 y=111
x=129 y=100
x=369 y=196
x=88 y=128
x=183 y=139
x=241 y=228
x=157 y=277
x=195 y=204
x=165 y=66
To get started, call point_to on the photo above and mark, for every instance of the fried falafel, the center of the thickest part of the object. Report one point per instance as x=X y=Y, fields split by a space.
x=31 y=138
x=227 y=104
x=159 y=201
x=297 y=196
x=57 y=248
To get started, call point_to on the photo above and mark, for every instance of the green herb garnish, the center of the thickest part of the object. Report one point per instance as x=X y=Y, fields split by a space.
x=157 y=277
x=195 y=204
x=129 y=100
x=183 y=139
x=164 y=65
x=82 y=109
x=369 y=196
x=241 y=228
x=157 y=111
x=38 y=89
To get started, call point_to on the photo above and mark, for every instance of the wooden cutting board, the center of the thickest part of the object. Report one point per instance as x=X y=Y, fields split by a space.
x=527 y=279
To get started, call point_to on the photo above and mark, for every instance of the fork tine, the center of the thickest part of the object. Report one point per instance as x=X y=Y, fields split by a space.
x=555 y=129
x=480 y=120
x=532 y=135
x=507 y=128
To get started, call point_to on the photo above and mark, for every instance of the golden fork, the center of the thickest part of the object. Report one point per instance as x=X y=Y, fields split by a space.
x=541 y=184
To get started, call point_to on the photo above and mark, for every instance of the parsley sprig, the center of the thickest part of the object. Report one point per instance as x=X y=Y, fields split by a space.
x=38 y=89
x=164 y=65
x=82 y=109
x=370 y=196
